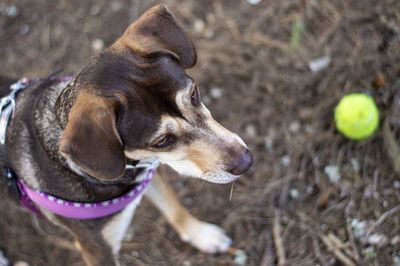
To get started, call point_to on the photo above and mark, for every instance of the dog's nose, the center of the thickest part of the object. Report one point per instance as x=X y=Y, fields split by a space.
x=243 y=164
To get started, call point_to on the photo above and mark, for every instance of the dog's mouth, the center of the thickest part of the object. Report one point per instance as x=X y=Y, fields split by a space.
x=219 y=177
x=236 y=169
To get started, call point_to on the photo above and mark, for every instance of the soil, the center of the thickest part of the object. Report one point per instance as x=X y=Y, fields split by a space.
x=312 y=197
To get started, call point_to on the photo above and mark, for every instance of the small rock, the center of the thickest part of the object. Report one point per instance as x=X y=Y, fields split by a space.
x=269 y=142
x=251 y=131
x=310 y=189
x=97 y=45
x=9 y=10
x=355 y=164
x=285 y=160
x=332 y=171
x=324 y=227
x=385 y=204
x=395 y=240
x=94 y=10
x=198 y=25
x=240 y=257
x=396 y=261
x=360 y=228
x=216 y=93
x=309 y=129
x=254 y=2
x=116 y=6
x=205 y=99
x=24 y=29
x=319 y=64
x=377 y=240
x=187 y=263
x=294 y=126
x=294 y=193
x=135 y=254
x=396 y=184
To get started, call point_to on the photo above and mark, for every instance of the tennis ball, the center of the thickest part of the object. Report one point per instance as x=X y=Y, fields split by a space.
x=356 y=116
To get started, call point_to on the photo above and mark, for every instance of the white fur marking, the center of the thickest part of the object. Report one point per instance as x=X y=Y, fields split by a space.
x=74 y=167
x=115 y=229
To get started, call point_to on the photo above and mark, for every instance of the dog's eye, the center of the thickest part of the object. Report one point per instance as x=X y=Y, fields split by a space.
x=164 y=141
x=195 y=96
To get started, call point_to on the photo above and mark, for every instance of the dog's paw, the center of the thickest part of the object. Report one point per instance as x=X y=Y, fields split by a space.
x=207 y=237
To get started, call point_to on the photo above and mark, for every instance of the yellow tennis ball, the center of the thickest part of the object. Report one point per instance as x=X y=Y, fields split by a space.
x=357 y=116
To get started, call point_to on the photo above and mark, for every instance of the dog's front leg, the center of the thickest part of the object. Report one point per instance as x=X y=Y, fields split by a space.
x=204 y=236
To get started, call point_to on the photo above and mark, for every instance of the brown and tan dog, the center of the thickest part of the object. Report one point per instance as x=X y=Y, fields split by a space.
x=133 y=101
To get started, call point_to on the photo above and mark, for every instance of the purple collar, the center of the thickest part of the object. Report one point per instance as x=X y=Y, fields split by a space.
x=86 y=210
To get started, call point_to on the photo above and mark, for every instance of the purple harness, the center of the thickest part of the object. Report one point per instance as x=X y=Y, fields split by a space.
x=32 y=199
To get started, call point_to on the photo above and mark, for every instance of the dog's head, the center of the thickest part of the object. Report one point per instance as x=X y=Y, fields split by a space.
x=136 y=101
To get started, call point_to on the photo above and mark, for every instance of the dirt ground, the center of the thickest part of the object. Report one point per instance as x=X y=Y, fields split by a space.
x=312 y=196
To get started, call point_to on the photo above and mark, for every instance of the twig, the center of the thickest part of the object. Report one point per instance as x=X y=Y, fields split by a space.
x=336 y=241
x=336 y=251
x=129 y=246
x=268 y=257
x=317 y=249
x=375 y=184
x=343 y=246
x=314 y=237
x=276 y=231
x=278 y=183
x=262 y=39
x=382 y=219
x=391 y=145
x=356 y=251
x=234 y=29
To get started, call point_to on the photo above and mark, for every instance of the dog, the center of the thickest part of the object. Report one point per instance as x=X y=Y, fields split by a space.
x=73 y=139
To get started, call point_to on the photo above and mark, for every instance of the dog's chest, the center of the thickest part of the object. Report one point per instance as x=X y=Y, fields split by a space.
x=114 y=230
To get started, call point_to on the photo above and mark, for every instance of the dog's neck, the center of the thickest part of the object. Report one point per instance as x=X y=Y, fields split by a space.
x=53 y=115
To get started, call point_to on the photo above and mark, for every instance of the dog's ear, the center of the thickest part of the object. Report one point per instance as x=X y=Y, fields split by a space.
x=157 y=31
x=91 y=139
